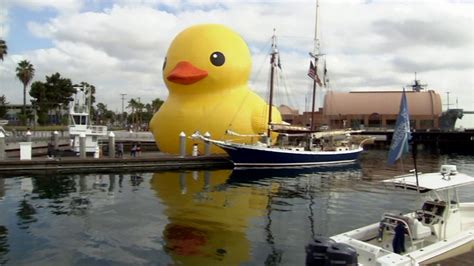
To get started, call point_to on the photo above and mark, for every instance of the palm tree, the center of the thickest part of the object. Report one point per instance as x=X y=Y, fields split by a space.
x=3 y=49
x=25 y=73
x=133 y=105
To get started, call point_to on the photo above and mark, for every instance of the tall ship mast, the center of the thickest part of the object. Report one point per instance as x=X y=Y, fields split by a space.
x=315 y=55
x=273 y=64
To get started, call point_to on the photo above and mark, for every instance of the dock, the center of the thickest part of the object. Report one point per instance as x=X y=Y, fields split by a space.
x=147 y=161
x=444 y=142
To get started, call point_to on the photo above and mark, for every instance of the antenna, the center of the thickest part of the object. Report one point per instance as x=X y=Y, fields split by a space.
x=417 y=86
x=447 y=102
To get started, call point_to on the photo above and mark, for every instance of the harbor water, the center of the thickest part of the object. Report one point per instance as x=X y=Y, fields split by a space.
x=211 y=217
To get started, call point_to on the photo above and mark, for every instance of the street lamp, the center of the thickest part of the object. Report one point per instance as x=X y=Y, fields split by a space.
x=123 y=112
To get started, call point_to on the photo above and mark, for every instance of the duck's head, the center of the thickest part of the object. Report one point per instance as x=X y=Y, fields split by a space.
x=205 y=58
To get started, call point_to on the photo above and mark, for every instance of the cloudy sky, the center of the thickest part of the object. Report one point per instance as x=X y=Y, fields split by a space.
x=119 y=45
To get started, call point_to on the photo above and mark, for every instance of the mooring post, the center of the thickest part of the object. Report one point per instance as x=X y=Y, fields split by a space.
x=82 y=145
x=2 y=146
x=28 y=136
x=111 y=144
x=56 y=140
x=182 y=144
x=207 y=144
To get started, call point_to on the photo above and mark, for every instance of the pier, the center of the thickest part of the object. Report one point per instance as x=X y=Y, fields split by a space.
x=67 y=161
x=146 y=161
x=461 y=142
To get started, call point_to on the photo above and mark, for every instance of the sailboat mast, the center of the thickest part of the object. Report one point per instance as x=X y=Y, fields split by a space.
x=315 y=55
x=316 y=31
x=272 y=73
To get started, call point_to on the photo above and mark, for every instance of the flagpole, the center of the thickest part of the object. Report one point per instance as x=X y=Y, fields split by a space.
x=401 y=161
x=414 y=152
x=314 y=103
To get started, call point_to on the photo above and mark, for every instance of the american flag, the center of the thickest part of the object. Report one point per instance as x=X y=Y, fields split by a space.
x=313 y=73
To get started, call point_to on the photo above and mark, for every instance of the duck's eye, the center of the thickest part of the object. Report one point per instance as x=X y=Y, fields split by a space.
x=217 y=58
x=164 y=64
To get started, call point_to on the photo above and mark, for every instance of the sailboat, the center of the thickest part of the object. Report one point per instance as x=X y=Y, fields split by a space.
x=312 y=148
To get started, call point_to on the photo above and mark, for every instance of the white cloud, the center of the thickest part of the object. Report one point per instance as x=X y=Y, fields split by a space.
x=374 y=45
x=4 y=27
x=62 y=6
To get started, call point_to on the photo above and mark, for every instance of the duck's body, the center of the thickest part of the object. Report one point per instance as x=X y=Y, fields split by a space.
x=206 y=71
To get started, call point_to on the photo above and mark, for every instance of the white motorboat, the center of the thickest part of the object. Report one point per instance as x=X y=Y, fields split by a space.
x=442 y=228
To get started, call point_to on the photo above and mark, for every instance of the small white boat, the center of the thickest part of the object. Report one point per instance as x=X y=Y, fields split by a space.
x=80 y=122
x=442 y=228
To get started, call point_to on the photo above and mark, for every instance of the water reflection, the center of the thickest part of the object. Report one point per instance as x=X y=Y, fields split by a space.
x=207 y=218
x=218 y=217
x=26 y=212
x=4 y=247
x=2 y=188
x=135 y=180
x=210 y=213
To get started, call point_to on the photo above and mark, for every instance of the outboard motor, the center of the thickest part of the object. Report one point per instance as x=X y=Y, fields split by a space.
x=316 y=250
x=342 y=254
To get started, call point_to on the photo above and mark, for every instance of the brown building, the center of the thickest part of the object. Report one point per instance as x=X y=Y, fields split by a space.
x=380 y=109
x=289 y=114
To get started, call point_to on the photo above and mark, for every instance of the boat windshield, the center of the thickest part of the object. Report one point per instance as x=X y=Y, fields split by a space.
x=80 y=119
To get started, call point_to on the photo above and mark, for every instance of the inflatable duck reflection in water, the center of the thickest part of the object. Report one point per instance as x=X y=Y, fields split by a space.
x=206 y=70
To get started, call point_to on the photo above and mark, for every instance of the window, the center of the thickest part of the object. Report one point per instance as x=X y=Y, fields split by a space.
x=374 y=120
x=426 y=124
x=391 y=123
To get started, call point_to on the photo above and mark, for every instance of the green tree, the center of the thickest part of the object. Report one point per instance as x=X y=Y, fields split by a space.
x=104 y=115
x=133 y=104
x=3 y=49
x=3 y=106
x=100 y=112
x=25 y=73
x=52 y=95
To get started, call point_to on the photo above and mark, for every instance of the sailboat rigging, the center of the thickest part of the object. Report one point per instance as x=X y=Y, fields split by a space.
x=315 y=55
x=316 y=148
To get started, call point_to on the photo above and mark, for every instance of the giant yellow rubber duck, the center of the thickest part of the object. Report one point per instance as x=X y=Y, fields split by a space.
x=206 y=71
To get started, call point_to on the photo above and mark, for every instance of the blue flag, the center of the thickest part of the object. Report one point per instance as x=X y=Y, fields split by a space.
x=401 y=135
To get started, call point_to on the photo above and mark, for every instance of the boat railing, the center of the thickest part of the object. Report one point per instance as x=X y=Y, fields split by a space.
x=99 y=130
x=391 y=220
x=20 y=136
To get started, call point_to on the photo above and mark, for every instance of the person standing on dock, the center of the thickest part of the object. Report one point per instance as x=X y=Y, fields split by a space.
x=139 y=149
x=50 y=150
x=133 y=150
x=120 y=150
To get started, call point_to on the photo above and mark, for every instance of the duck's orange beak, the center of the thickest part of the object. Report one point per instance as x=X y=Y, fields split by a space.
x=185 y=73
